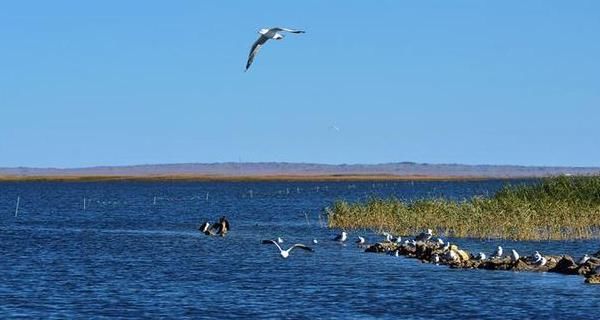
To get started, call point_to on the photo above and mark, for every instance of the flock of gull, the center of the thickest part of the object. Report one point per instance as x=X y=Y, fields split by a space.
x=424 y=237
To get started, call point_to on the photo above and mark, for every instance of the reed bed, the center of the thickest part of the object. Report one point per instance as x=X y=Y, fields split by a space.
x=556 y=208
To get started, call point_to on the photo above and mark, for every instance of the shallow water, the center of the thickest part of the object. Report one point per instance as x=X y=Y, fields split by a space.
x=126 y=257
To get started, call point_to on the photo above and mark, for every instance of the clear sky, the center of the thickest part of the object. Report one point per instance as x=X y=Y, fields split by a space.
x=86 y=83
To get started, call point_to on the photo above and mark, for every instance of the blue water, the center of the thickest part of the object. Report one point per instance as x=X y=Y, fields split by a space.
x=127 y=256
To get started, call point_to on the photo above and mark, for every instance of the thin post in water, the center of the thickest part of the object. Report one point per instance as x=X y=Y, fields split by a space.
x=154 y=201
x=83 y=203
x=17 y=208
x=306 y=216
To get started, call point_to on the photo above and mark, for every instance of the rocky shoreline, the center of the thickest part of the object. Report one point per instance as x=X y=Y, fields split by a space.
x=454 y=257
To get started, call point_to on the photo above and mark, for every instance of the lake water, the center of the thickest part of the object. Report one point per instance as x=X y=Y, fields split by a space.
x=135 y=252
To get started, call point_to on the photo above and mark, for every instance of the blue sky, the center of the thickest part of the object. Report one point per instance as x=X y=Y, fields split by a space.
x=132 y=82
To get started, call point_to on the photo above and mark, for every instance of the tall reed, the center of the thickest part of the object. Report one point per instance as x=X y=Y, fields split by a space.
x=556 y=208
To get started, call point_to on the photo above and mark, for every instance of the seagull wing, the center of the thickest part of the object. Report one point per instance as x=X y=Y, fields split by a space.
x=255 y=48
x=287 y=30
x=272 y=242
x=301 y=246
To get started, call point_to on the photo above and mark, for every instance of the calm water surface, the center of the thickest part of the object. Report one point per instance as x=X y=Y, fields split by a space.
x=134 y=252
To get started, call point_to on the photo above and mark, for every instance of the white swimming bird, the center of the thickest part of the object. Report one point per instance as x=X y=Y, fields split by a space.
x=584 y=259
x=341 y=237
x=266 y=34
x=498 y=253
x=286 y=253
x=514 y=256
x=315 y=241
x=360 y=240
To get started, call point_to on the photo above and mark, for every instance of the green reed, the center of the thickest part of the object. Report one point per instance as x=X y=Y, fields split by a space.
x=556 y=208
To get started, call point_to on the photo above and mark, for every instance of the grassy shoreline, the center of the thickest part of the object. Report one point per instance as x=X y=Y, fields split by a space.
x=557 y=208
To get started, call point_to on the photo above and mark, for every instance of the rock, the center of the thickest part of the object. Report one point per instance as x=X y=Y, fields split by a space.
x=589 y=267
x=521 y=265
x=566 y=265
x=463 y=255
x=593 y=279
x=382 y=247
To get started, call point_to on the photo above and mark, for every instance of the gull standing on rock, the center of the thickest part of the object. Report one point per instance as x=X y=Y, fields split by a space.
x=481 y=256
x=446 y=246
x=425 y=236
x=266 y=34
x=584 y=259
x=498 y=253
x=514 y=256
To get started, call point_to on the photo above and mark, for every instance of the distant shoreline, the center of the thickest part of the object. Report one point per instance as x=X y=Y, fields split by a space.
x=241 y=178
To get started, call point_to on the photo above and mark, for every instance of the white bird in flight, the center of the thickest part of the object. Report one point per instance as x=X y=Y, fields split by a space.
x=286 y=253
x=266 y=34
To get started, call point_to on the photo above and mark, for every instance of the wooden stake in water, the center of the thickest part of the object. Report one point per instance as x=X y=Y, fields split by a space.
x=83 y=203
x=207 y=196
x=154 y=201
x=251 y=194
x=306 y=216
x=17 y=209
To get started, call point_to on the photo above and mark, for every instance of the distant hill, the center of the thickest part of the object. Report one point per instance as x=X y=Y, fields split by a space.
x=233 y=169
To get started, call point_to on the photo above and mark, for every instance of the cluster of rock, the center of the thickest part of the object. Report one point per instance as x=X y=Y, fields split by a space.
x=454 y=257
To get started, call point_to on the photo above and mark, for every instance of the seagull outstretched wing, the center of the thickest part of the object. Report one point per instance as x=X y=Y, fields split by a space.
x=288 y=30
x=272 y=242
x=255 y=48
x=301 y=246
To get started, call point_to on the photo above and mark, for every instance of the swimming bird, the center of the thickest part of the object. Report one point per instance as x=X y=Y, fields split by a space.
x=498 y=253
x=279 y=240
x=205 y=228
x=424 y=236
x=436 y=258
x=584 y=259
x=266 y=34
x=315 y=241
x=341 y=237
x=514 y=256
x=360 y=240
x=286 y=253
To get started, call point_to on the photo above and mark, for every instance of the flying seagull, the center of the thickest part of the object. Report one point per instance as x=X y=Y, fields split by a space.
x=266 y=34
x=286 y=253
